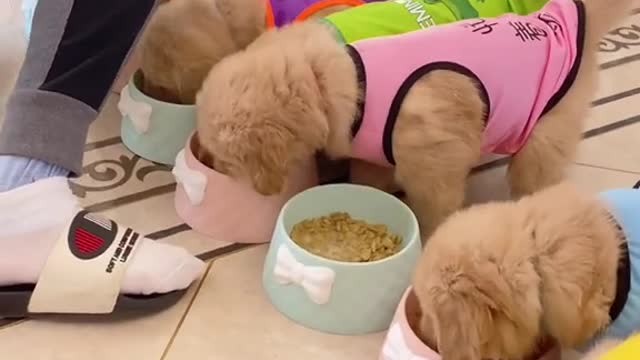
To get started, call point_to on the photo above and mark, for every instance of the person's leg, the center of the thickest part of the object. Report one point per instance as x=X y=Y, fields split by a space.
x=75 y=52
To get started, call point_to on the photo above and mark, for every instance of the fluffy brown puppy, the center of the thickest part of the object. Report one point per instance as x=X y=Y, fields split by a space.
x=296 y=91
x=497 y=279
x=185 y=38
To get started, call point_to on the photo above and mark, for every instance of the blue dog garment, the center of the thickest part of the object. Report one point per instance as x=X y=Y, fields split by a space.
x=624 y=205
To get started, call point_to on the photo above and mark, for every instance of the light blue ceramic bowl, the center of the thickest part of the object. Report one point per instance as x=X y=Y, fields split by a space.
x=153 y=129
x=339 y=297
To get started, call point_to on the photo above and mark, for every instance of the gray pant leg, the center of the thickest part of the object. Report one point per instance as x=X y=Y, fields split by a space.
x=76 y=50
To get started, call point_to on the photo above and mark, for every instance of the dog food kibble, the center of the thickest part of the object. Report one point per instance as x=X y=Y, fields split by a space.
x=339 y=237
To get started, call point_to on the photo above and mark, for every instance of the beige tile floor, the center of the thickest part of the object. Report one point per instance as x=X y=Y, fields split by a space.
x=227 y=316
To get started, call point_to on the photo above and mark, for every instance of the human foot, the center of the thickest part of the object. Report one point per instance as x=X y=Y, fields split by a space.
x=81 y=262
x=19 y=171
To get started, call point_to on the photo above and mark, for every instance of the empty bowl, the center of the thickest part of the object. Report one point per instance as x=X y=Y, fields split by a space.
x=402 y=342
x=152 y=129
x=340 y=297
x=228 y=209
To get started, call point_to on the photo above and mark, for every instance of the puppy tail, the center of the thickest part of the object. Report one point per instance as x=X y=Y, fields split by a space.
x=603 y=15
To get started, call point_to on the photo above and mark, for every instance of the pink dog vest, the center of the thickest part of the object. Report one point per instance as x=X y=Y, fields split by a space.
x=523 y=64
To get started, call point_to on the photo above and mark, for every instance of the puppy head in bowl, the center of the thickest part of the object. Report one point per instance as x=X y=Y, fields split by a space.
x=181 y=43
x=267 y=172
x=477 y=286
x=259 y=113
x=402 y=340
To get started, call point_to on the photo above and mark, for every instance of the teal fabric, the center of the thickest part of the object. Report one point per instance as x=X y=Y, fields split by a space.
x=170 y=128
x=28 y=9
x=364 y=295
x=625 y=207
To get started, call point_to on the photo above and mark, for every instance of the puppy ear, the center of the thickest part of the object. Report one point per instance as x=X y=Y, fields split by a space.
x=458 y=334
x=476 y=306
x=462 y=312
x=261 y=154
x=270 y=171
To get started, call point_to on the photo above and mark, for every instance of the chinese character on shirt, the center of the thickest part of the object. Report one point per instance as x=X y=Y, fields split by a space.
x=527 y=31
x=551 y=21
x=482 y=26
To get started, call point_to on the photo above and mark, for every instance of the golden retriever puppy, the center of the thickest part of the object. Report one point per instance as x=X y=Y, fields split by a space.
x=299 y=90
x=185 y=38
x=498 y=279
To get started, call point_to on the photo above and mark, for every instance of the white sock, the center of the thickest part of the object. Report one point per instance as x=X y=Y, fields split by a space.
x=31 y=220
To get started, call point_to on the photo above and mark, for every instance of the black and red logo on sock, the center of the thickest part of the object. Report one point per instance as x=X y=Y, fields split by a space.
x=91 y=235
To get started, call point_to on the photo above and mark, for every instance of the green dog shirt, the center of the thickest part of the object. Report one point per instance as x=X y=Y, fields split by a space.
x=395 y=17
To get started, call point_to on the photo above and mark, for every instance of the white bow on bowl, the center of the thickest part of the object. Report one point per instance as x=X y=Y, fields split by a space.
x=138 y=112
x=395 y=347
x=193 y=182
x=317 y=281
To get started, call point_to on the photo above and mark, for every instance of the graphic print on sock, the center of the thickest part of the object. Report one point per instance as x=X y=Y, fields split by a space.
x=91 y=235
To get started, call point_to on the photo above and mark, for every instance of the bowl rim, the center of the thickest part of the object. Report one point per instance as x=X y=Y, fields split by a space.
x=212 y=174
x=153 y=101
x=188 y=153
x=415 y=228
x=208 y=171
x=403 y=320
